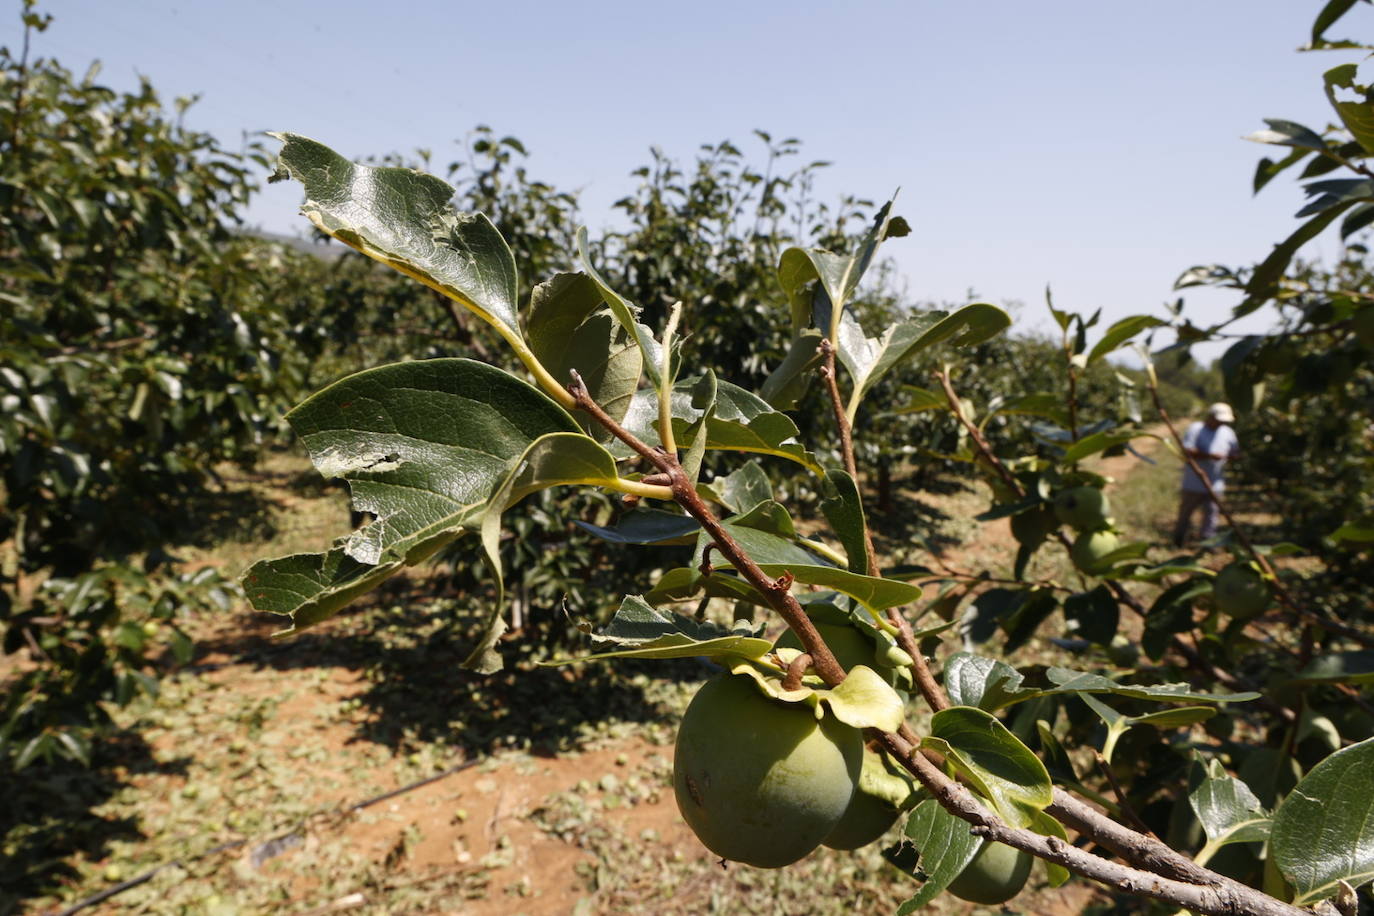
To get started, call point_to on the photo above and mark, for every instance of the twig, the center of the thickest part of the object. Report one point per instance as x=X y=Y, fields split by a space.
x=1122 y=801
x=906 y=641
x=1213 y=894
x=774 y=591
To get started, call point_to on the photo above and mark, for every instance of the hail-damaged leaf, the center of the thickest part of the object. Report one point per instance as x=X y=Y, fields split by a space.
x=424 y=446
x=640 y=630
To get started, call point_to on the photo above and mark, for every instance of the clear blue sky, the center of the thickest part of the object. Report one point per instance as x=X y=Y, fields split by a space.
x=1093 y=146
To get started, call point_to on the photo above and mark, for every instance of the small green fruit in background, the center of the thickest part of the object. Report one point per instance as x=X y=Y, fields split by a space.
x=1090 y=547
x=114 y=873
x=1082 y=508
x=1240 y=591
x=760 y=781
x=151 y=628
x=995 y=875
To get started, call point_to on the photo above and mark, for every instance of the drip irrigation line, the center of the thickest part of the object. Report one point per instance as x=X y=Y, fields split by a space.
x=265 y=850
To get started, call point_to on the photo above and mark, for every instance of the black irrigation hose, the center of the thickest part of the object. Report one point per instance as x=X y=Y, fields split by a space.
x=263 y=851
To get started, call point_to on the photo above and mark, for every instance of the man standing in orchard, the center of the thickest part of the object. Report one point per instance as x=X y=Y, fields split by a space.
x=1211 y=442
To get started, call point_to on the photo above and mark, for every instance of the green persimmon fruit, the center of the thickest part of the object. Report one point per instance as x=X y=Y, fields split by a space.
x=877 y=803
x=1090 y=547
x=1082 y=508
x=995 y=875
x=849 y=645
x=1240 y=591
x=1034 y=525
x=758 y=780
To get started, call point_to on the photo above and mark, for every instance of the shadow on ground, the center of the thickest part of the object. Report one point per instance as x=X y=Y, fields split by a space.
x=409 y=646
x=47 y=815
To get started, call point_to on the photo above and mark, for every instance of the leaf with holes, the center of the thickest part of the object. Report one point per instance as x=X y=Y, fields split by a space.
x=424 y=446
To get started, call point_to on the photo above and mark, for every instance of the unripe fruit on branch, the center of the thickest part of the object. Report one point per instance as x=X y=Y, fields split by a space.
x=995 y=875
x=1089 y=549
x=851 y=647
x=1082 y=508
x=1240 y=591
x=758 y=780
x=875 y=807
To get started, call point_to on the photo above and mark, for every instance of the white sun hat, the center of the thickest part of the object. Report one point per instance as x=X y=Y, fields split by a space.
x=1221 y=413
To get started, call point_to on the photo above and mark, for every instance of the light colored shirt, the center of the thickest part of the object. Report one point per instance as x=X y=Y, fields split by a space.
x=1220 y=441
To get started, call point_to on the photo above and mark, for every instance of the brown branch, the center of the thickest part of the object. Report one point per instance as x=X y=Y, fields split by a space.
x=906 y=641
x=1213 y=894
x=774 y=592
x=832 y=386
x=979 y=441
x=1271 y=576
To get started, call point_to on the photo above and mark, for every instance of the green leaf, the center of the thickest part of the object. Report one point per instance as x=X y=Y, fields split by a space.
x=920 y=399
x=742 y=489
x=946 y=848
x=742 y=422
x=1269 y=169
x=769 y=516
x=1332 y=11
x=873 y=593
x=844 y=509
x=423 y=445
x=786 y=384
x=1120 y=332
x=838 y=275
x=1355 y=532
x=627 y=313
x=564 y=335
x=798 y=268
x=1260 y=287
x=551 y=460
x=864 y=700
x=403 y=218
x=1228 y=811
x=1323 y=831
x=868 y=359
x=684 y=583
x=994 y=761
x=1040 y=404
x=639 y=630
x=973 y=680
x=1101 y=441
x=1289 y=133
x=1358 y=116
x=646 y=526
x=992 y=685
x=1339 y=667
x=1069 y=681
